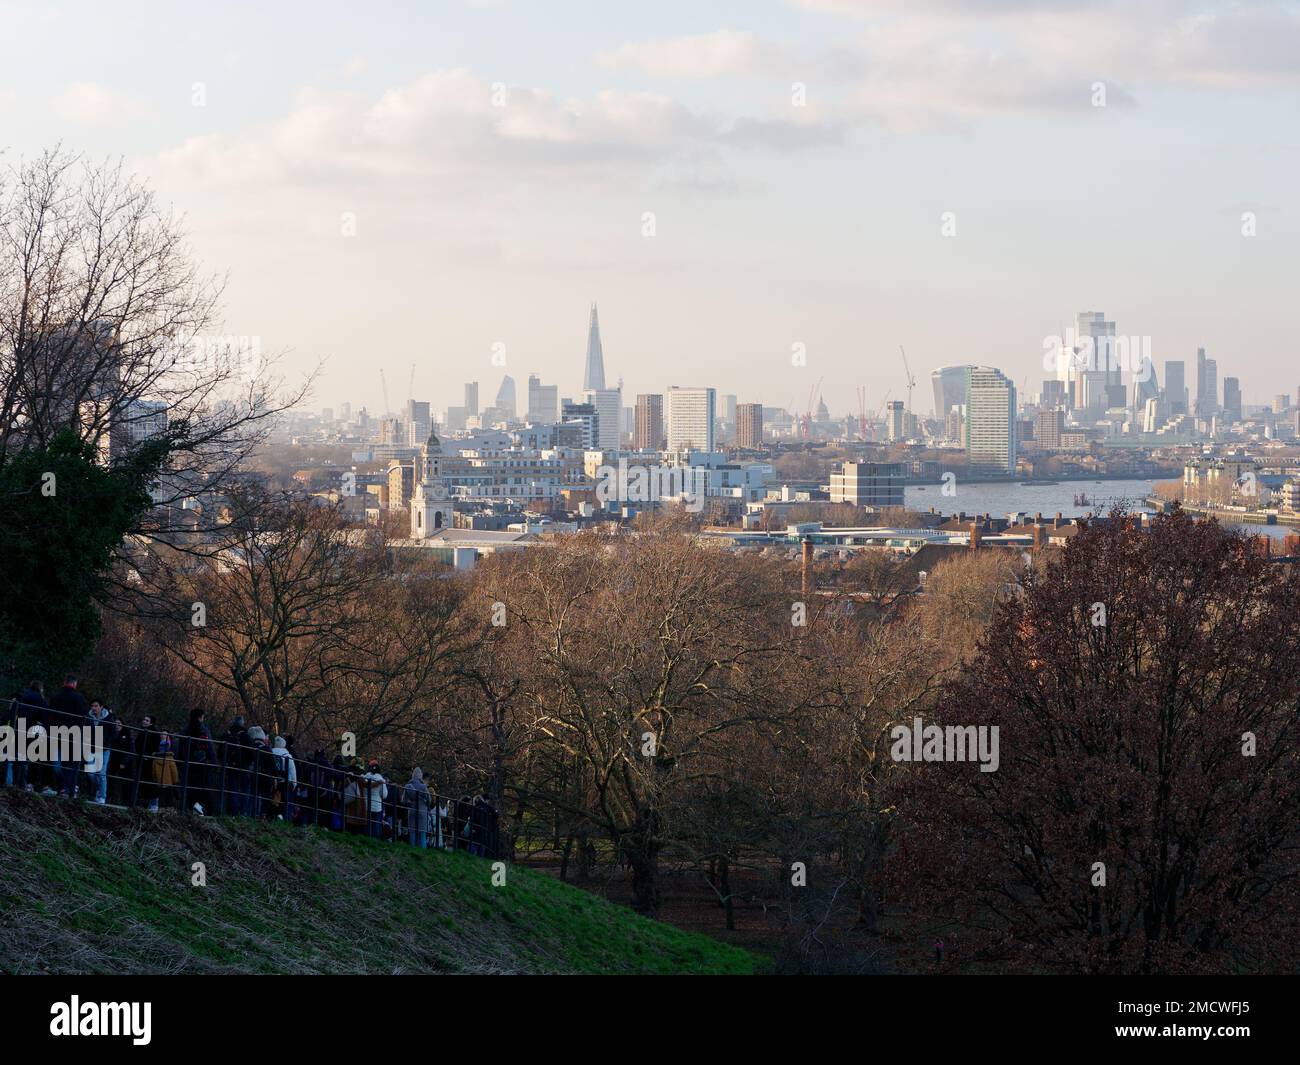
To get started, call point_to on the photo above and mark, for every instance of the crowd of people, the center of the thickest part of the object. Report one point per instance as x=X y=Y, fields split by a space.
x=243 y=772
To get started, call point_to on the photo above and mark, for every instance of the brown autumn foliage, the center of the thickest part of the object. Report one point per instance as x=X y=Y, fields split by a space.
x=637 y=701
x=1160 y=746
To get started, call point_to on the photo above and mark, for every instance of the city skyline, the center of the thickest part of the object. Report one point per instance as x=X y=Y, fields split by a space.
x=820 y=174
x=1108 y=371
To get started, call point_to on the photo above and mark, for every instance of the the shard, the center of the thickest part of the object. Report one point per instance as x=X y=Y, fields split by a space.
x=594 y=378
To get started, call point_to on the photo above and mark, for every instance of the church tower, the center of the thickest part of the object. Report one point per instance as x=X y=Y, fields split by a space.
x=431 y=508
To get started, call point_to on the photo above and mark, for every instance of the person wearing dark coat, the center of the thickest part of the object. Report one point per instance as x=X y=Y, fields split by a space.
x=337 y=779
x=146 y=747
x=68 y=709
x=238 y=757
x=489 y=825
x=200 y=754
x=31 y=711
x=262 y=764
x=481 y=812
x=313 y=802
x=464 y=812
x=121 y=762
x=32 y=708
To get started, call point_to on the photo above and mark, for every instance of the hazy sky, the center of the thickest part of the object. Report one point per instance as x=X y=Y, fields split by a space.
x=499 y=159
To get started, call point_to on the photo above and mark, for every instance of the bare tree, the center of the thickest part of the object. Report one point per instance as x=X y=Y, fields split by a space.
x=108 y=329
x=312 y=625
x=644 y=659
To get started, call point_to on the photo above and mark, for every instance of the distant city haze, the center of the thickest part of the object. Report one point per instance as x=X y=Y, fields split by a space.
x=401 y=184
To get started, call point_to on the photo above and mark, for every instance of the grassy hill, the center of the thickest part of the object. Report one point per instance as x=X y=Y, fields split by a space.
x=85 y=889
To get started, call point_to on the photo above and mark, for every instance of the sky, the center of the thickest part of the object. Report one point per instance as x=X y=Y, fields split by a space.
x=397 y=184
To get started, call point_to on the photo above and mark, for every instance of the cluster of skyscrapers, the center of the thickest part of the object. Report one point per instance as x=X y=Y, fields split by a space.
x=1103 y=387
x=680 y=418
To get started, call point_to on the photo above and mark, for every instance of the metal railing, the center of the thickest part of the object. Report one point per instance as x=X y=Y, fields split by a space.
x=153 y=767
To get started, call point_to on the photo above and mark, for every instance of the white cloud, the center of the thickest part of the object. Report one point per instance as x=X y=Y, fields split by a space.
x=914 y=64
x=1222 y=42
x=445 y=131
x=1238 y=46
x=708 y=55
x=85 y=101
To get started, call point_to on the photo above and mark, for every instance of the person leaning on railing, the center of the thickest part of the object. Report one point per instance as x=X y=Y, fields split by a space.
x=310 y=802
x=31 y=713
x=416 y=798
x=286 y=778
x=237 y=757
x=376 y=793
x=68 y=709
x=200 y=752
x=121 y=762
x=163 y=770
x=354 y=801
x=334 y=783
x=262 y=768
x=146 y=745
x=98 y=756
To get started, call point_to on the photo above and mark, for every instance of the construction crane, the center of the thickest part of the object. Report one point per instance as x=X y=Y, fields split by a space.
x=384 y=381
x=911 y=381
x=410 y=389
x=807 y=420
x=862 y=412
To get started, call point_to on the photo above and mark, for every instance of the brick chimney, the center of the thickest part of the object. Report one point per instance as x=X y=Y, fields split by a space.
x=974 y=535
x=807 y=571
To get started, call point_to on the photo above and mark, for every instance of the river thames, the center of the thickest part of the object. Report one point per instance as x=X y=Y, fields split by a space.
x=1009 y=497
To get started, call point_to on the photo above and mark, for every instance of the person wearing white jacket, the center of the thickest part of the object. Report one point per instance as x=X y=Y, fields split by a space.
x=284 y=760
x=376 y=792
x=287 y=771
